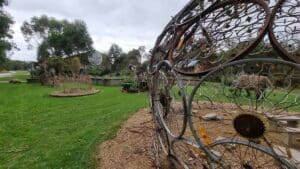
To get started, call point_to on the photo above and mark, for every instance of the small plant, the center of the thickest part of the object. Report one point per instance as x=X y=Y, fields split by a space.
x=133 y=85
x=15 y=81
x=75 y=84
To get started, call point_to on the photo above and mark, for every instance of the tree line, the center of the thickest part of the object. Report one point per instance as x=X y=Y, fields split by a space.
x=6 y=34
x=63 y=39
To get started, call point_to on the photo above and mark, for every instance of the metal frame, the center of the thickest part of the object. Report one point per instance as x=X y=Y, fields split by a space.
x=200 y=23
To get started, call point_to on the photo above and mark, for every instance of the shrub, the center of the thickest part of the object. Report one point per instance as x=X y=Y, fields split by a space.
x=75 y=84
x=95 y=71
x=56 y=63
x=15 y=81
x=72 y=65
x=35 y=73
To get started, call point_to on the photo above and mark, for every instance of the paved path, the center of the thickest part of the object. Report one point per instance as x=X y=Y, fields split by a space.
x=8 y=74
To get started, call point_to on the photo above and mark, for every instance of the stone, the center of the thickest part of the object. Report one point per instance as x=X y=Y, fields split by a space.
x=218 y=154
x=295 y=155
x=219 y=117
x=219 y=138
x=212 y=117
x=191 y=159
x=280 y=151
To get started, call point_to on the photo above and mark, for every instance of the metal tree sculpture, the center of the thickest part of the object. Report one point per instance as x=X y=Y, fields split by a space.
x=224 y=78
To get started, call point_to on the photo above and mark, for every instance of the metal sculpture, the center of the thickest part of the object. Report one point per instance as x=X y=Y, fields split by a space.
x=224 y=78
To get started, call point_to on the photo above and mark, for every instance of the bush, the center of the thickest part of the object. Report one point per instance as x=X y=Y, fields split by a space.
x=95 y=71
x=72 y=65
x=131 y=87
x=35 y=73
x=15 y=81
x=124 y=72
x=56 y=63
x=74 y=84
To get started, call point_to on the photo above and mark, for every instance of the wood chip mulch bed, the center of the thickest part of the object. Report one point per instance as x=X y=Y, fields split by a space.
x=133 y=148
x=75 y=94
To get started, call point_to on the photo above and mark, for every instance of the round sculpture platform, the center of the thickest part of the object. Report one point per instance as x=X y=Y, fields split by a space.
x=77 y=93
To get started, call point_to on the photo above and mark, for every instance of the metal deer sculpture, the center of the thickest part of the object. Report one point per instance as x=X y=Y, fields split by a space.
x=208 y=50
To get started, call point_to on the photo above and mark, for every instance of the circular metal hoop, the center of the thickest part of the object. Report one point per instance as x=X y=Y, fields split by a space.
x=260 y=157
x=238 y=64
x=201 y=32
x=288 y=17
x=223 y=102
x=170 y=102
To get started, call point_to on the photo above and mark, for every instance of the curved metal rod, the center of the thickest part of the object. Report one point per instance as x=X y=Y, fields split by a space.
x=184 y=101
x=217 y=69
x=275 y=43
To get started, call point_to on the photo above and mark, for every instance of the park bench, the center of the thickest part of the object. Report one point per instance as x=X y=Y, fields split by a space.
x=288 y=153
x=290 y=128
x=292 y=140
x=292 y=137
x=292 y=121
x=279 y=121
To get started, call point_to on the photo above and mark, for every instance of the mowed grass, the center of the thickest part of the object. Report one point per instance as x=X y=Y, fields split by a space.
x=215 y=92
x=21 y=75
x=39 y=132
x=279 y=98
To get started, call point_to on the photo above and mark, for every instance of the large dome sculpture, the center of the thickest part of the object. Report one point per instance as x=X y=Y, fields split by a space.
x=224 y=82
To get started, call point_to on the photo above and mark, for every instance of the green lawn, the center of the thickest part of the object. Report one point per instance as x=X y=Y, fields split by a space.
x=21 y=75
x=39 y=132
x=277 y=99
x=215 y=92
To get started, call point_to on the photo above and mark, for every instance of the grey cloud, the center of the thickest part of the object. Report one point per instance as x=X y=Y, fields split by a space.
x=129 y=23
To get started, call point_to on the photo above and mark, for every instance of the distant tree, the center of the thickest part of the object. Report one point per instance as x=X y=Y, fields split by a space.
x=122 y=63
x=114 y=54
x=134 y=57
x=17 y=65
x=5 y=33
x=43 y=51
x=143 y=67
x=143 y=53
x=106 y=64
x=57 y=37
x=56 y=63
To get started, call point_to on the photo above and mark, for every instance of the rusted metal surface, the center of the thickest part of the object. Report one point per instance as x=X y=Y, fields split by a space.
x=197 y=71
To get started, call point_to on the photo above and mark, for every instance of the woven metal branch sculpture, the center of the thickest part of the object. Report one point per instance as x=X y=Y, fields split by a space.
x=224 y=84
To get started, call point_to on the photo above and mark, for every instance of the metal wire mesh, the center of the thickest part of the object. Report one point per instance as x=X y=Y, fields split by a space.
x=224 y=84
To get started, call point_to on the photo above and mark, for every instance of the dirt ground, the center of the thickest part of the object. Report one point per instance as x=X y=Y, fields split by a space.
x=133 y=146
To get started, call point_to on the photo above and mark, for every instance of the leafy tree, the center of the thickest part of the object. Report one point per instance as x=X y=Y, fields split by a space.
x=143 y=67
x=73 y=65
x=5 y=33
x=121 y=63
x=134 y=57
x=42 y=51
x=17 y=65
x=106 y=64
x=114 y=54
x=56 y=63
x=57 y=37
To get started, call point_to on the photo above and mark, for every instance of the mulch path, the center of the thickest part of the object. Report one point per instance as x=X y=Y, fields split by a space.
x=133 y=146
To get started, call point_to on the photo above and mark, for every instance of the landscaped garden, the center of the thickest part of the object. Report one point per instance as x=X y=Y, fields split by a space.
x=39 y=131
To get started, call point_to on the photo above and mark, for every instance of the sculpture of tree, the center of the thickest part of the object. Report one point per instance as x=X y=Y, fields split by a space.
x=222 y=74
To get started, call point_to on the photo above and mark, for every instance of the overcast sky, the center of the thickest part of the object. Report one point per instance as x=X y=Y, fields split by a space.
x=129 y=23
